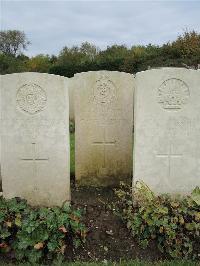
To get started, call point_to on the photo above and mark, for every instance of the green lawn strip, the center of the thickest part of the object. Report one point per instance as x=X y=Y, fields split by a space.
x=72 y=154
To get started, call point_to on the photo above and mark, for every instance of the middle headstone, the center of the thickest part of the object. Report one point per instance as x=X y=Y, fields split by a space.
x=104 y=126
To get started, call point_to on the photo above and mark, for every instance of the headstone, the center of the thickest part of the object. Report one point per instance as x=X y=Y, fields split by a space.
x=167 y=130
x=103 y=127
x=35 y=138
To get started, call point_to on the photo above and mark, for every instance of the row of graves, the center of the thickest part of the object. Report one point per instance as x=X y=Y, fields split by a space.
x=144 y=127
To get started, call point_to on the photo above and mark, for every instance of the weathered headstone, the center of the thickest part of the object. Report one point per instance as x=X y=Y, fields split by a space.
x=104 y=126
x=35 y=138
x=167 y=129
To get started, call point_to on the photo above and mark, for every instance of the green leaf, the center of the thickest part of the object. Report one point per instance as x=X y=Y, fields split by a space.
x=196 y=195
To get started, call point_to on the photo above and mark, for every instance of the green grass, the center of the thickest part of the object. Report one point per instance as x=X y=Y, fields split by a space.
x=72 y=154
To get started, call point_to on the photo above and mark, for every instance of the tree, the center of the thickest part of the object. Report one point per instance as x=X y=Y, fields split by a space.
x=10 y=64
x=90 y=50
x=115 y=51
x=72 y=54
x=39 y=63
x=187 y=44
x=13 y=42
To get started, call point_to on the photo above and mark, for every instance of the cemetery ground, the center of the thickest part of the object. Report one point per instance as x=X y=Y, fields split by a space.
x=108 y=238
x=108 y=241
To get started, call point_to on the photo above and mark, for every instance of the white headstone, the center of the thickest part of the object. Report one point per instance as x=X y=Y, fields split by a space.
x=167 y=129
x=35 y=138
x=103 y=127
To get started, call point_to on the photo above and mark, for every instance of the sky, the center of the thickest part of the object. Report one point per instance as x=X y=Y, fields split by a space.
x=51 y=25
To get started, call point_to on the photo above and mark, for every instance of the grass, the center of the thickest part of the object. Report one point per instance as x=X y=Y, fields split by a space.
x=72 y=154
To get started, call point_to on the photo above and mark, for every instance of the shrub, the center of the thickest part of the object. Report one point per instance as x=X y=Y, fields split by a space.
x=36 y=234
x=173 y=222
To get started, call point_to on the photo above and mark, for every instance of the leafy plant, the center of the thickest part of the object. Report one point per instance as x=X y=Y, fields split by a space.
x=35 y=234
x=173 y=222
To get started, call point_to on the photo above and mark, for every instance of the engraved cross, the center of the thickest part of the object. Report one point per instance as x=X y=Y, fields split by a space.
x=169 y=156
x=34 y=158
x=104 y=143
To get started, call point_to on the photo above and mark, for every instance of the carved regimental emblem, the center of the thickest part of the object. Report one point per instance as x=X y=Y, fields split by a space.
x=31 y=98
x=173 y=94
x=104 y=90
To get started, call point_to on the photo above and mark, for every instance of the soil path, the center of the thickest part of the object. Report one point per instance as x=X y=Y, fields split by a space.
x=108 y=239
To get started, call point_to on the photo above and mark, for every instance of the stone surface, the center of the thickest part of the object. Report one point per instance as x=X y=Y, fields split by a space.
x=167 y=129
x=35 y=138
x=104 y=125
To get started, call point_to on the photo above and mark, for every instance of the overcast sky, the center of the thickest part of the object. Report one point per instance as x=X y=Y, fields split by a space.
x=51 y=25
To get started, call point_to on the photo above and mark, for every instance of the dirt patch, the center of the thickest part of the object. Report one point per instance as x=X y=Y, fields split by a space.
x=108 y=238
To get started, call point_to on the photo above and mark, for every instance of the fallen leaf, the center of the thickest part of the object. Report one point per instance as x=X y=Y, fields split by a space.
x=74 y=218
x=3 y=245
x=63 y=229
x=105 y=248
x=9 y=224
x=39 y=245
x=109 y=232
x=63 y=249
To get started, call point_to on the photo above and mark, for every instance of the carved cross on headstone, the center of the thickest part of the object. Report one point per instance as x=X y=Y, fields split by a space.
x=34 y=158
x=170 y=155
x=105 y=144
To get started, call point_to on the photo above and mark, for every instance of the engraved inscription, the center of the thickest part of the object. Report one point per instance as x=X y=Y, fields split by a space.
x=170 y=156
x=179 y=126
x=104 y=90
x=104 y=143
x=34 y=158
x=173 y=94
x=31 y=98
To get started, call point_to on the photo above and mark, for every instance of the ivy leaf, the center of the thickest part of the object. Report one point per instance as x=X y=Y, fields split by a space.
x=181 y=220
x=197 y=216
x=18 y=221
x=196 y=195
x=190 y=226
x=52 y=245
x=4 y=234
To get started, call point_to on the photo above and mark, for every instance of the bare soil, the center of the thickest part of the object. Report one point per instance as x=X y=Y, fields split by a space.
x=108 y=238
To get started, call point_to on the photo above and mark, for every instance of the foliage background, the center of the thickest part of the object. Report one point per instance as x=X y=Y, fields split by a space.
x=183 y=52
